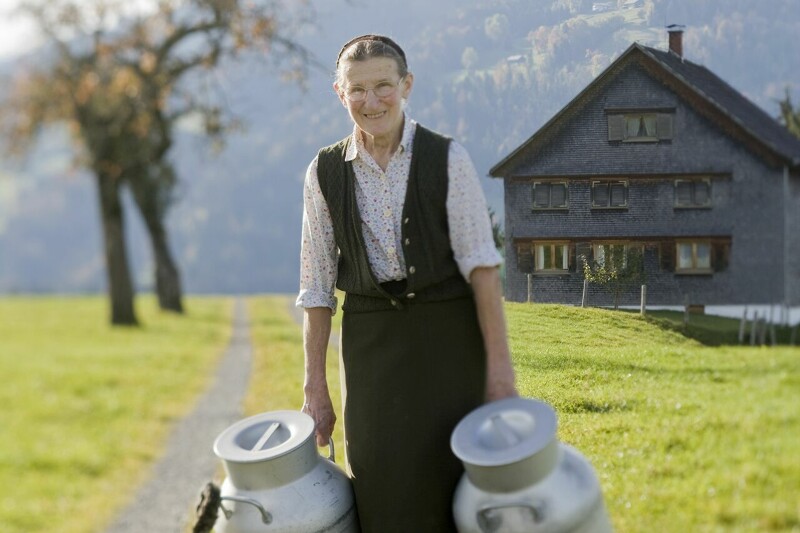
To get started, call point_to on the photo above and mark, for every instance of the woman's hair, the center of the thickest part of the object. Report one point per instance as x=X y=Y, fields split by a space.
x=368 y=46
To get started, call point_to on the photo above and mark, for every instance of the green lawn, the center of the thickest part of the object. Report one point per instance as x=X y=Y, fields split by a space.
x=86 y=406
x=685 y=437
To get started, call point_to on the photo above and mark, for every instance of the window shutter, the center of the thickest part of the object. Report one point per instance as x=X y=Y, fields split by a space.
x=616 y=127
x=583 y=252
x=558 y=195
x=701 y=193
x=541 y=195
x=668 y=256
x=719 y=256
x=600 y=194
x=664 y=126
x=524 y=257
x=618 y=196
x=683 y=192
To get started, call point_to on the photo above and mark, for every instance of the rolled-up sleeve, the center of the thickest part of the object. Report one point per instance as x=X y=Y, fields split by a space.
x=468 y=216
x=318 y=251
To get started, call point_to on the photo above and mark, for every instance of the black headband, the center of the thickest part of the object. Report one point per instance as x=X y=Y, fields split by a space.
x=371 y=37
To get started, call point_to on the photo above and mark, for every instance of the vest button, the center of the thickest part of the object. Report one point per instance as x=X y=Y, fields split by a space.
x=410 y=295
x=394 y=303
x=411 y=270
x=407 y=241
x=406 y=220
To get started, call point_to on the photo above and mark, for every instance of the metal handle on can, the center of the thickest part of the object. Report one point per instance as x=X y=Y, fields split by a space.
x=332 y=455
x=265 y=516
x=491 y=519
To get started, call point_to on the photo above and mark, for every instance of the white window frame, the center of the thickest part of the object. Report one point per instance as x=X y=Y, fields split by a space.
x=693 y=204
x=609 y=183
x=694 y=267
x=539 y=257
x=598 y=250
x=550 y=195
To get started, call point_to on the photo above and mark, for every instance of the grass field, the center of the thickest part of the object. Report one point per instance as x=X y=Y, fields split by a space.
x=684 y=437
x=85 y=406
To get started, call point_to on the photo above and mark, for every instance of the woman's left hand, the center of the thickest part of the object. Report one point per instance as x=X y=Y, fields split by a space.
x=500 y=379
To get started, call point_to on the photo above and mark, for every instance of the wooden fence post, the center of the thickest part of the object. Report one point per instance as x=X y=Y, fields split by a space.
x=742 y=325
x=753 y=329
x=643 y=306
x=585 y=292
x=685 y=310
x=530 y=282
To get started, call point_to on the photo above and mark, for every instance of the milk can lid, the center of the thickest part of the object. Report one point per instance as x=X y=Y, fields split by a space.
x=264 y=436
x=504 y=432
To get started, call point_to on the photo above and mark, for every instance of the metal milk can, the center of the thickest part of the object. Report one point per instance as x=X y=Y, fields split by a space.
x=519 y=477
x=277 y=482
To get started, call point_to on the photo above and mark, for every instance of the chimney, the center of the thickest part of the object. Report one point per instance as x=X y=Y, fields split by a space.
x=676 y=39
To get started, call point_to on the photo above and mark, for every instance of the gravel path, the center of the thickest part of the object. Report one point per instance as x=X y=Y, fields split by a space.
x=165 y=503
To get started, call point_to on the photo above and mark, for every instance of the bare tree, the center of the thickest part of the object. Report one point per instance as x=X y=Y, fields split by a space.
x=117 y=75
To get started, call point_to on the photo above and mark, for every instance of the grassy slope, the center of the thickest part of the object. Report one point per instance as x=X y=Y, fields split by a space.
x=85 y=405
x=684 y=437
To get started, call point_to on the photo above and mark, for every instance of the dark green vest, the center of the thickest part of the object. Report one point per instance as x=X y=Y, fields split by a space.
x=431 y=271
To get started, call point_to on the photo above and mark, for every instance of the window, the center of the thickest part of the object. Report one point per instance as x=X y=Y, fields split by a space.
x=693 y=193
x=610 y=194
x=620 y=256
x=616 y=254
x=551 y=195
x=639 y=125
x=693 y=257
x=552 y=257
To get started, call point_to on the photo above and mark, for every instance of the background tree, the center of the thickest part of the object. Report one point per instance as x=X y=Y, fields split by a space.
x=619 y=268
x=120 y=76
x=790 y=117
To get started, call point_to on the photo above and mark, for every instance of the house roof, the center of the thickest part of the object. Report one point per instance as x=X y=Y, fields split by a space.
x=701 y=88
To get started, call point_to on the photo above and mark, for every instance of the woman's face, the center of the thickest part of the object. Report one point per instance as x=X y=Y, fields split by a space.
x=375 y=115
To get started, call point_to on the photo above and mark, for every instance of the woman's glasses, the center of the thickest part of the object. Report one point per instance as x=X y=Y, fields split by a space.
x=356 y=93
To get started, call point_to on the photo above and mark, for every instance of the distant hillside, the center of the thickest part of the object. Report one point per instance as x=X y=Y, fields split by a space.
x=488 y=72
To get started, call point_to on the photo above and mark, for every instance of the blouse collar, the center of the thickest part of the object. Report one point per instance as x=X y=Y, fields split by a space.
x=355 y=146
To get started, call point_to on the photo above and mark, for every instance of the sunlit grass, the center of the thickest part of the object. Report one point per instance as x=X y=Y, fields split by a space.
x=277 y=380
x=87 y=407
x=684 y=437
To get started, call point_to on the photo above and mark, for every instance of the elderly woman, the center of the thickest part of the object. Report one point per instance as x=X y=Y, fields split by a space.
x=395 y=217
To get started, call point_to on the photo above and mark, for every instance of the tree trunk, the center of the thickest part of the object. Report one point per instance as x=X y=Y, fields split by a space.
x=168 y=281
x=120 y=288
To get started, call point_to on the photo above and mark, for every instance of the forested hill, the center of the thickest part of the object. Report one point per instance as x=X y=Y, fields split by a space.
x=487 y=72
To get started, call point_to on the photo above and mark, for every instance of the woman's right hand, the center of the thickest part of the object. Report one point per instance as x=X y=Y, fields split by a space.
x=317 y=403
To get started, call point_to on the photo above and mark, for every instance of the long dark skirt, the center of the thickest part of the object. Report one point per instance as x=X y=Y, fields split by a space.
x=410 y=376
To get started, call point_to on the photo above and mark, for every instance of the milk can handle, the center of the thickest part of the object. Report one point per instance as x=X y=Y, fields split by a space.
x=332 y=455
x=486 y=520
x=265 y=516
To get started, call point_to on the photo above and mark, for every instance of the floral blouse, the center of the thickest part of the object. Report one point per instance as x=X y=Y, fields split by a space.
x=380 y=196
